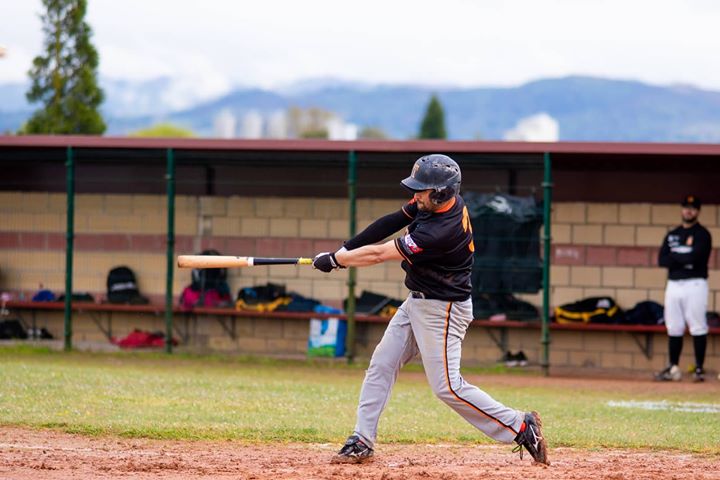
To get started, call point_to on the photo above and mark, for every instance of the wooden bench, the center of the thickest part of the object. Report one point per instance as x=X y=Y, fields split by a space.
x=642 y=334
x=101 y=313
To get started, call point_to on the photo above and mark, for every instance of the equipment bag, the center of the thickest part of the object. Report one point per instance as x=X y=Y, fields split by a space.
x=122 y=287
x=210 y=278
x=589 y=310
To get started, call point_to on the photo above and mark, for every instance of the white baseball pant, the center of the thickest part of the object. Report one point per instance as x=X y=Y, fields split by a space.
x=435 y=329
x=686 y=304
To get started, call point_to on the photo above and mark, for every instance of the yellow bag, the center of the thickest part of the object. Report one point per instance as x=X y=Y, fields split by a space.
x=588 y=310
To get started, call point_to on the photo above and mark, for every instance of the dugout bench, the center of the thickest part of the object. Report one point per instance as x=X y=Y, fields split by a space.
x=186 y=321
x=642 y=334
x=101 y=313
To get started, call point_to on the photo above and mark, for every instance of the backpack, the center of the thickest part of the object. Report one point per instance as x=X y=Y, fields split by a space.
x=122 y=287
x=208 y=287
x=589 y=310
x=190 y=298
x=12 y=328
x=209 y=278
x=645 y=313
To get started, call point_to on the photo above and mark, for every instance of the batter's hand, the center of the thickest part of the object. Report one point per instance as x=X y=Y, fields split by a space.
x=326 y=262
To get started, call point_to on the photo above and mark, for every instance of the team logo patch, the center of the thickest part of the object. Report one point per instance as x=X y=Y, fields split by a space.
x=415 y=169
x=411 y=245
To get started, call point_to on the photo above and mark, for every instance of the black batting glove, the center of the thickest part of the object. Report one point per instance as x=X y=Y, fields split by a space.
x=326 y=262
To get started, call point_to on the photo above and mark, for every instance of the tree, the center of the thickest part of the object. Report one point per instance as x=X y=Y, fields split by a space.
x=433 y=123
x=64 y=78
x=167 y=130
x=321 y=133
x=372 y=133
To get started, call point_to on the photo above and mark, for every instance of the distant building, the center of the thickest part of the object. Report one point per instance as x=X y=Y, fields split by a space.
x=293 y=123
x=224 y=125
x=339 y=130
x=540 y=127
x=277 y=125
x=251 y=125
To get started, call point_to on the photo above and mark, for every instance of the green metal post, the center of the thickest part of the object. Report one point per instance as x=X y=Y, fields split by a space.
x=69 y=244
x=547 y=199
x=170 y=179
x=352 y=274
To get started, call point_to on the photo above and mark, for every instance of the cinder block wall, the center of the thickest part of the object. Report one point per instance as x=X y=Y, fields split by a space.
x=113 y=230
x=598 y=248
x=611 y=249
x=288 y=338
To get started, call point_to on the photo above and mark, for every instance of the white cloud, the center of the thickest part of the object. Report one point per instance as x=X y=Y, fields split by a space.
x=540 y=127
x=194 y=76
x=15 y=64
x=457 y=42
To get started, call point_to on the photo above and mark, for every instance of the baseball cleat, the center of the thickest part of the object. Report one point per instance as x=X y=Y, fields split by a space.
x=699 y=375
x=354 y=451
x=670 y=374
x=531 y=438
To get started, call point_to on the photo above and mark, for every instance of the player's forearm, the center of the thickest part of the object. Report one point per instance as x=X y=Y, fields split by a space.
x=360 y=257
x=368 y=255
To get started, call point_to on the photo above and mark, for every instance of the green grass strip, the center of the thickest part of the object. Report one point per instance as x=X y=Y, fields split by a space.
x=219 y=397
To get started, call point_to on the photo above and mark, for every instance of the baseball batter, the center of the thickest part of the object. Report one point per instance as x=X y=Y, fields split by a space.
x=436 y=251
x=685 y=252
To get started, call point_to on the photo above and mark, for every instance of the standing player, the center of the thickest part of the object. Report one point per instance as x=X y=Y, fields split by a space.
x=437 y=254
x=685 y=252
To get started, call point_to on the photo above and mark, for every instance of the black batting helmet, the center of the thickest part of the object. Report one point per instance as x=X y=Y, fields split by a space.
x=436 y=172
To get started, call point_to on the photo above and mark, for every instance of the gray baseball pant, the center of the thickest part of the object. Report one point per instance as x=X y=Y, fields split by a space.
x=435 y=329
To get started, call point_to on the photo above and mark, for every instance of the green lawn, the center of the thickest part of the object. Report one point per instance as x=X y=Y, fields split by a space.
x=182 y=397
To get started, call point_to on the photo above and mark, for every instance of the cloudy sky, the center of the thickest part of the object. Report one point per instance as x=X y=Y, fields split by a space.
x=217 y=44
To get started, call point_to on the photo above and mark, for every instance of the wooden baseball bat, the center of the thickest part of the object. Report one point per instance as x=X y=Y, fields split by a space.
x=225 y=261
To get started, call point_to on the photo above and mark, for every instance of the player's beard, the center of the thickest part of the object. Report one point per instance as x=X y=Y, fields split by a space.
x=426 y=206
x=690 y=218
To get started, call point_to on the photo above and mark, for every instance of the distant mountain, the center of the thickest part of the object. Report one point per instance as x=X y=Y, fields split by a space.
x=127 y=103
x=586 y=108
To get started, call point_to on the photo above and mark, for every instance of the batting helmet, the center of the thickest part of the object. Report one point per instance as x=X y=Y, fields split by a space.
x=436 y=172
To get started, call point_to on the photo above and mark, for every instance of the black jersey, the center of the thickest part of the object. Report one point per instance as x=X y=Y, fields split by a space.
x=438 y=251
x=685 y=252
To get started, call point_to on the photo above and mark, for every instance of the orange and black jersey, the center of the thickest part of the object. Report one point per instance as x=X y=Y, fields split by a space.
x=437 y=249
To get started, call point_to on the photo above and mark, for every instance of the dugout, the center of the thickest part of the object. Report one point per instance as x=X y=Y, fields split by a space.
x=612 y=204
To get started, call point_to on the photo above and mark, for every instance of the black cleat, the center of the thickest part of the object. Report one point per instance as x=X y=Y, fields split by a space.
x=354 y=451
x=699 y=375
x=532 y=439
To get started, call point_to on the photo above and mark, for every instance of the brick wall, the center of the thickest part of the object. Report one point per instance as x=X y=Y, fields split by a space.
x=112 y=230
x=598 y=248
x=288 y=338
x=611 y=249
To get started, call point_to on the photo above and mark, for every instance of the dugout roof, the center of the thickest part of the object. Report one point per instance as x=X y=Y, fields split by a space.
x=582 y=171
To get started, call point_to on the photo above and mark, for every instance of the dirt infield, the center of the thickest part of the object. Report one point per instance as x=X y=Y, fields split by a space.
x=31 y=454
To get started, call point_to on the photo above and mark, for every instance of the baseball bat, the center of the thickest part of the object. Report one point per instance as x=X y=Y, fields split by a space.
x=225 y=261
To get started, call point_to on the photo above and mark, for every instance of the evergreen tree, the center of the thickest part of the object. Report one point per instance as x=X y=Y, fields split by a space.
x=64 y=78
x=433 y=123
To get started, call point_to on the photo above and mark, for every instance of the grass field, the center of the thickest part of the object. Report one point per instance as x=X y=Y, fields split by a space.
x=188 y=397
